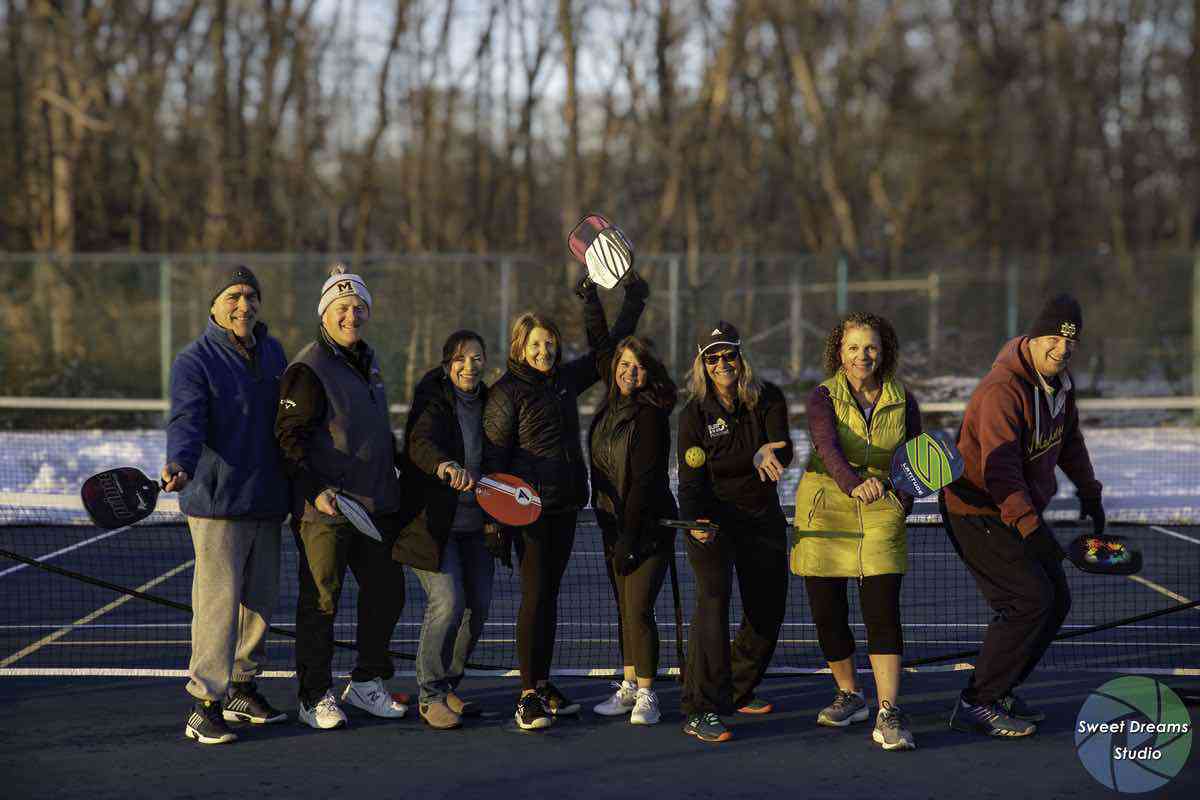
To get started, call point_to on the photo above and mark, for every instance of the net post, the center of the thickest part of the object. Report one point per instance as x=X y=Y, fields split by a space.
x=1011 y=281
x=505 y=302
x=673 y=306
x=843 y=279
x=935 y=299
x=796 y=314
x=1196 y=331
x=164 y=327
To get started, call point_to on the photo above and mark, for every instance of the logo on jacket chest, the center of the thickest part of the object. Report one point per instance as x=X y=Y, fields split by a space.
x=1040 y=446
x=718 y=428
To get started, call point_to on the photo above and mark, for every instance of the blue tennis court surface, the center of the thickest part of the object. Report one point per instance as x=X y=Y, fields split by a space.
x=76 y=722
x=54 y=625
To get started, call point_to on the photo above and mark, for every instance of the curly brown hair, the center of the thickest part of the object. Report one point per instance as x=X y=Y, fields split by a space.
x=888 y=361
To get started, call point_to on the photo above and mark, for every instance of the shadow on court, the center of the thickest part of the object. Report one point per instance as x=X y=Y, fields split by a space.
x=104 y=738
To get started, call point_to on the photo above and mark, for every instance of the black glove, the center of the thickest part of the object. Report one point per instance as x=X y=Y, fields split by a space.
x=636 y=286
x=498 y=540
x=626 y=554
x=586 y=289
x=1042 y=545
x=1090 y=507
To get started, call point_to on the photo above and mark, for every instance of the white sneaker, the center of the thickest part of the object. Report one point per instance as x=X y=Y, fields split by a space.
x=621 y=702
x=645 y=708
x=373 y=698
x=324 y=715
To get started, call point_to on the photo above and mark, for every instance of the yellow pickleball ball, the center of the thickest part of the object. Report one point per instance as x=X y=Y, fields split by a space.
x=694 y=457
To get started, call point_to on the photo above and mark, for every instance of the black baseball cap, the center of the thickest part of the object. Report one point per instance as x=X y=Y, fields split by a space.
x=723 y=333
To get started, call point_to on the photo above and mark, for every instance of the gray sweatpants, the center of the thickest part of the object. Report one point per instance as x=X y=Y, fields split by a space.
x=235 y=584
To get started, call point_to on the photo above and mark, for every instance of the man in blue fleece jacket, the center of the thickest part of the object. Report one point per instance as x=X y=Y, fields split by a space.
x=223 y=459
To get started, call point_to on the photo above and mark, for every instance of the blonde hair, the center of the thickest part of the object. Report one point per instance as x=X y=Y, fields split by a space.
x=523 y=326
x=749 y=388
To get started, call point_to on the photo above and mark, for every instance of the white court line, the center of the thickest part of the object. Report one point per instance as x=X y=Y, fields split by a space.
x=1164 y=591
x=353 y=625
x=956 y=642
x=1149 y=584
x=1176 y=534
x=75 y=546
x=123 y=672
x=99 y=612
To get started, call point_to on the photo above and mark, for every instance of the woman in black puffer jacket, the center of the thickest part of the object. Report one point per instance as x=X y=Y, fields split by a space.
x=630 y=445
x=531 y=430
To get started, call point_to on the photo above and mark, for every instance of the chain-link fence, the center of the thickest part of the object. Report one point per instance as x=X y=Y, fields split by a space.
x=109 y=325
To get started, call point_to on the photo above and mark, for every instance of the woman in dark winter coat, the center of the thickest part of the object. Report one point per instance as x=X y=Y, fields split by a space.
x=444 y=542
x=531 y=430
x=630 y=446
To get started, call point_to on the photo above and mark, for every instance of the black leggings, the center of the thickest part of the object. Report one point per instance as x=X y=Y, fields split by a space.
x=545 y=548
x=879 y=596
x=637 y=629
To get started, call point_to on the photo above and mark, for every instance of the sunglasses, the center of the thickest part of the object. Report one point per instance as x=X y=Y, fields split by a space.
x=729 y=357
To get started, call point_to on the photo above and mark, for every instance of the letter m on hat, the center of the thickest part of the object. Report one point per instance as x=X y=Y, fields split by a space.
x=344 y=287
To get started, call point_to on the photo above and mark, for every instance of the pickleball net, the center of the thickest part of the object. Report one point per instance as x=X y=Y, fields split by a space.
x=75 y=600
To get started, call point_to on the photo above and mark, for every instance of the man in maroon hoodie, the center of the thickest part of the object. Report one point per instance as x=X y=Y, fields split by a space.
x=1020 y=423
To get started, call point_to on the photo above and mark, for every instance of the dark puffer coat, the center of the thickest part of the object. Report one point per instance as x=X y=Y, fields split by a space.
x=531 y=419
x=431 y=436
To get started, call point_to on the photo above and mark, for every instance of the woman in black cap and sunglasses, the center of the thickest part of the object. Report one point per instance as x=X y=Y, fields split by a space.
x=734 y=444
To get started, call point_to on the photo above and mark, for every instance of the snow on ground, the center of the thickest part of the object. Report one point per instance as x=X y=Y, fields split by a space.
x=1147 y=472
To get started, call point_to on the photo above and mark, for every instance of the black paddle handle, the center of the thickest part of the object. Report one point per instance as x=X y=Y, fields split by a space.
x=690 y=525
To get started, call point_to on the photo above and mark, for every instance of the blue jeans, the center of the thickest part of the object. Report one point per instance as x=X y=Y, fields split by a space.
x=456 y=606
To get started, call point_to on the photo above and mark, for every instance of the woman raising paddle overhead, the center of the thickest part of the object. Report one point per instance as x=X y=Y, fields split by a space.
x=531 y=429
x=630 y=446
x=850 y=524
x=734 y=445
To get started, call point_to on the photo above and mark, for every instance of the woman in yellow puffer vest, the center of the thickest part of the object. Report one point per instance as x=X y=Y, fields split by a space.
x=850 y=524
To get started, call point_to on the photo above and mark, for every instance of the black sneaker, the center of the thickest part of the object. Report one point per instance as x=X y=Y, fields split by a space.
x=990 y=719
x=243 y=703
x=707 y=728
x=205 y=724
x=1016 y=707
x=555 y=701
x=531 y=714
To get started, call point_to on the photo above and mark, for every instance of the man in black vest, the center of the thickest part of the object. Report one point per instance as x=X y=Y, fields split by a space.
x=336 y=436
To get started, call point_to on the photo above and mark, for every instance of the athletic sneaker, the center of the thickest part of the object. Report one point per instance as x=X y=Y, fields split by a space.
x=621 y=702
x=244 y=703
x=373 y=698
x=990 y=719
x=205 y=724
x=707 y=728
x=1018 y=708
x=324 y=715
x=846 y=707
x=756 y=705
x=555 y=701
x=645 y=708
x=891 y=729
x=439 y=716
x=464 y=708
x=531 y=714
